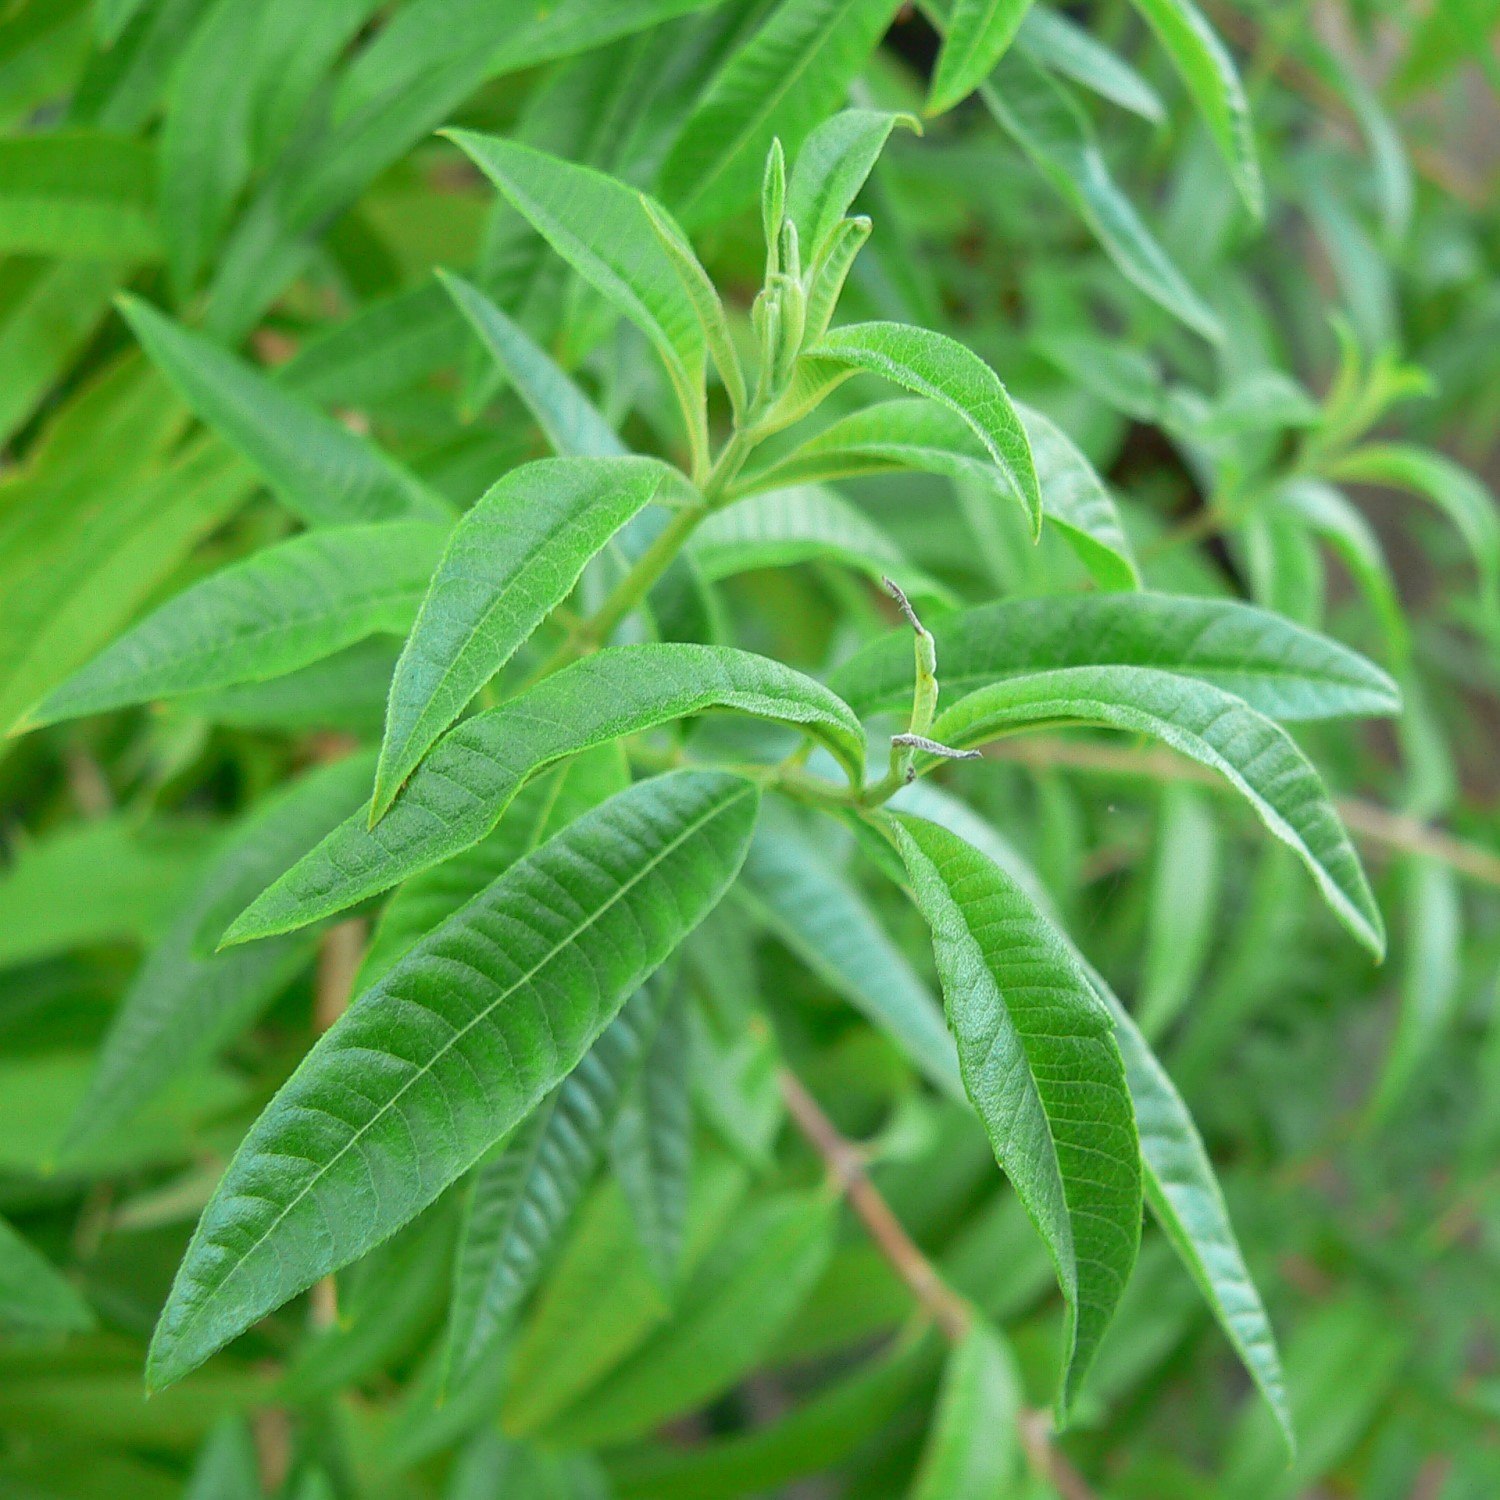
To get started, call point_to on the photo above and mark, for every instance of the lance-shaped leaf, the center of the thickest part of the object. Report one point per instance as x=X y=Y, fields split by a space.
x=1047 y=123
x=1256 y=756
x=78 y=196
x=824 y=920
x=570 y=421
x=460 y=792
x=521 y=1204
x=1275 y=666
x=512 y=559
x=831 y=168
x=1209 y=73
x=602 y=228
x=973 y=1446
x=935 y=366
x=324 y=473
x=977 y=34
x=1050 y=38
x=33 y=1295
x=1040 y=1064
x=651 y=1147
x=807 y=523
x=423 y=1074
x=792 y=72
x=188 y=1000
x=279 y=609
x=1180 y=1184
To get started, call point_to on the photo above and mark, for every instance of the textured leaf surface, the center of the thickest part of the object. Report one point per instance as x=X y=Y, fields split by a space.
x=972 y=1448
x=935 y=366
x=1040 y=1064
x=1275 y=666
x=1048 y=125
x=1255 y=755
x=832 y=165
x=33 y=1295
x=791 y=73
x=186 y=999
x=422 y=1075
x=279 y=609
x=323 y=472
x=511 y=560
x=521 y=1204
x=811 y=907
x=460 y=792
x=977 y=35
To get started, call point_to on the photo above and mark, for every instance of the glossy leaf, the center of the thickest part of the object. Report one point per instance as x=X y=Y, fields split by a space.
x=418 y=1079
x=1040 y=1064
x=1251 y=752
x=463 y=788
x=978 y=33
x=281 y=608
x=510 y=561
x=932 y=365
x=324 y=473
x=1276 y=667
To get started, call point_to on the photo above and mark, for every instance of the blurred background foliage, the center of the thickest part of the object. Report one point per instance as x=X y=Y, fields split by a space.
x=269 y=171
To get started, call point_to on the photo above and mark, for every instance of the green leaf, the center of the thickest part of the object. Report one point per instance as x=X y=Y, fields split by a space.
x=973 y=1447
x=324 y=473
x=1255 y=755
x=810 y=907
x=510 y=561
x=831 y=167
x=420 y=1077
x=1047 y=123
x=933 y=365
x=1209 y=73
x=566 y=416
x=1041 y=1066
x=792 y=72
x=749 y=1285
x=32 y=1294
x=521 y=1204
x=1275 y=666
x=186 y=1000
x=651 y=1147
x=463 y=788
x=977 y=35
x=1049 y=37
x=806 y=523
x=227 y=1467
x=281 y=608
x=1184 y=907
x=1450 y=487
x=629 y=266
x=78 y=196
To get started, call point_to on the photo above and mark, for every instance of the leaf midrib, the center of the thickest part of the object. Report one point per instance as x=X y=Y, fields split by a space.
x=217 y=1292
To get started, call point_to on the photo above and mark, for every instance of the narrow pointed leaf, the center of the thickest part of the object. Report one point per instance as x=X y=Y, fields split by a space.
x=651 y=1147
x=1048 y=125
x=33 y=1295
x=1051 y=38
x=324 y=473
x=1041 y=1066
x=935 y=366
x=521 y=1204
x=1255 y=755
x=421 y=1076
x=1276 y=667
x=832 y=165
x=282 y=608
x=1209 y=73
x=510 y=561
x=972 y=1447
x=978 y=32
x=794 y=70
x=825 y=921
x=628 y=266
x=461 y=791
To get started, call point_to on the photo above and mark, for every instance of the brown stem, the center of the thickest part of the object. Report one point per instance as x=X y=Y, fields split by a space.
x=846 y=1167
x=1368 y=821
x=1045 y=1462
